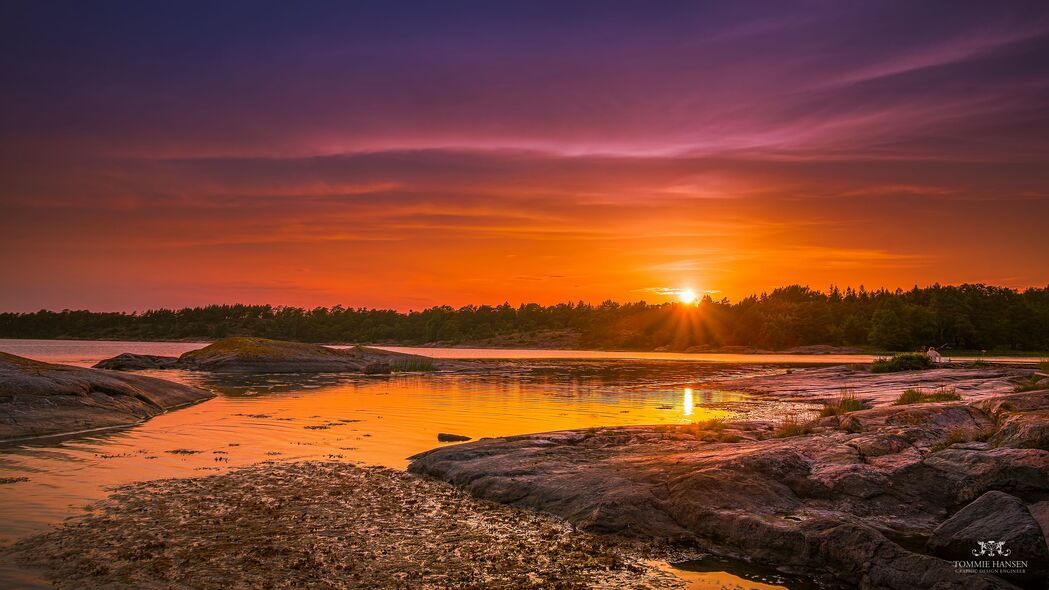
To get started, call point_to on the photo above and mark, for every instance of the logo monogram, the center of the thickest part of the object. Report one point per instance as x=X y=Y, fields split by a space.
x=991 y=549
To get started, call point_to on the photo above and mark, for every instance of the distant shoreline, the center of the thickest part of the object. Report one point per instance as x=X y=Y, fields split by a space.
x=792 y=319
x=810 y=350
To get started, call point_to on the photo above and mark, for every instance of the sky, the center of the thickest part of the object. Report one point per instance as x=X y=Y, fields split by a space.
x=402 y=155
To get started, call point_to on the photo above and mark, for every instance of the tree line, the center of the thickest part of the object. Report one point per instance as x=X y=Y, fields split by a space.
x=970 y=317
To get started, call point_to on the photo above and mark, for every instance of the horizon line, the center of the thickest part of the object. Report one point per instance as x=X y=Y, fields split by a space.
x=707 y=295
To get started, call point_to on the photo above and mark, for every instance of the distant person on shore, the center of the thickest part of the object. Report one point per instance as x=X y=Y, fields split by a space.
x=934 y=356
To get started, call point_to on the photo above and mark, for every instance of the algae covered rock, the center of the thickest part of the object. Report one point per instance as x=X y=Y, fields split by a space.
x=447 y=437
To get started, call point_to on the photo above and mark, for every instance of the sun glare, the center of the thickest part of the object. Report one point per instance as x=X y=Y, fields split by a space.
x=687 y=296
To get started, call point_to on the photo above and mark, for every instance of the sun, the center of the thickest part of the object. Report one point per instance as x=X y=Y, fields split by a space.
x=687 y=296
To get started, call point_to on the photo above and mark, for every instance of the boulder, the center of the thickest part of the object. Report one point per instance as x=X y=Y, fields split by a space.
x=1029 y=430
x=1023 y=419
x=1027 y=401
x=134 y=362
x=42 y=399
x=1040 y=512
x=994 y=517
x=445 y=437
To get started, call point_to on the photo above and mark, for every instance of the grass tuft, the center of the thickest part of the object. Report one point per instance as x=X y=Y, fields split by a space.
x=904 y=361
x=921 y=396
x=713 y=424
x=712 y=430
x=846 y=402
x=414 y=365
x=792 y=426
x=1035 y=383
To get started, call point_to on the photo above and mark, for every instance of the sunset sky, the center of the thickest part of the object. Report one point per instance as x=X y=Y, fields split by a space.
x=403 y=155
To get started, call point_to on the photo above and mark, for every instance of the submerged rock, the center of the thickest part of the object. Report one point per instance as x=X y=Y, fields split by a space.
x=261 y=355
x=39 y=399
x=445 y=437
x=852 y=505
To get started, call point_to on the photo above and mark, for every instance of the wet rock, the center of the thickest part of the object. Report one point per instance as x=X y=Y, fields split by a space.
x=134 y=362
x=994 y=517
x=445 y=437
x=40 y=399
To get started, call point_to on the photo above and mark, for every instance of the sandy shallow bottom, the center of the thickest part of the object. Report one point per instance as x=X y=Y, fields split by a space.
x=326 y=525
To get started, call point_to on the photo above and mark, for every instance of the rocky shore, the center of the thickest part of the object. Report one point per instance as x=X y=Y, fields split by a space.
x=326 y=525
x=41 y=399
x=826 y=383
x=261 y=355
x=888 y=497
x=885 y=496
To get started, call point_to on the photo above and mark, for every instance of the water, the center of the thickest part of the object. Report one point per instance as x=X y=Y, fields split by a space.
x=367 y=419
x=85 y=353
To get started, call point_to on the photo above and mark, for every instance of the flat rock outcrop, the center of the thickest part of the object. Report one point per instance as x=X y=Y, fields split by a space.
x=262 y=355
x=855 y=503
x=40 y=399
x=824 y=383
x=136 y=362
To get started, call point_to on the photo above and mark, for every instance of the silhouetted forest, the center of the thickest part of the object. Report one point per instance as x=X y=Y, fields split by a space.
x=971 y=317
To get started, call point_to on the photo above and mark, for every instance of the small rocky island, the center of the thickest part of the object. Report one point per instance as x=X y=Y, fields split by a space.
x=41 y=399
x=886 y=497
x=262 y=355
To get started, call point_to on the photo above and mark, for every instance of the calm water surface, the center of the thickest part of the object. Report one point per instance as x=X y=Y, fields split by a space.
x=371 y=420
